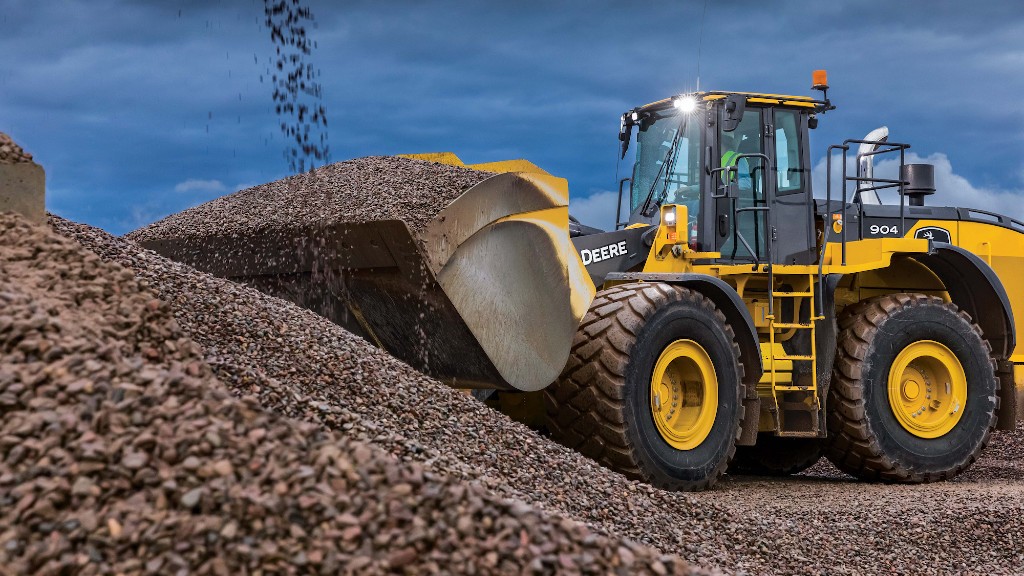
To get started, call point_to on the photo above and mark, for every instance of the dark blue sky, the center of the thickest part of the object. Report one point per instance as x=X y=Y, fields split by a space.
x=139 y=109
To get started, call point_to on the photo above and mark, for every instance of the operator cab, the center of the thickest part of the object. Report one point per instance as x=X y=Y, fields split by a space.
x=739 y=162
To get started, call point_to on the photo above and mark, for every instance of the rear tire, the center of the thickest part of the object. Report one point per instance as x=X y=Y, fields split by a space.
x=777 y=455
x=875 y=430
x=603 y=404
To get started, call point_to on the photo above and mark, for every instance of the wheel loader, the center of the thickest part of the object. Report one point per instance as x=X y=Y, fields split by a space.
x=731 y=320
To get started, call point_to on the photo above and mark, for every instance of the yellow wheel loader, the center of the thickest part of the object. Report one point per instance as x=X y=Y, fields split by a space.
x=730 y=319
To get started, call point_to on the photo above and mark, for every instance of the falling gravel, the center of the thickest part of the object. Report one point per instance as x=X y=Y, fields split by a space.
x=123 y=454
x=301 y=365
x=360 y=190
x=298 y=93
x=10 y=152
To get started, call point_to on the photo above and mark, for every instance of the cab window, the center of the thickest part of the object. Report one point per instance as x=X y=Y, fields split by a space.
x=678 y=182
x=791 y=172
x=746 y=139
x=749 y=179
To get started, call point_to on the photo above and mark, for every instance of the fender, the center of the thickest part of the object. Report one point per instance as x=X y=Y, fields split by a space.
x=977 y=290
x=729 y=302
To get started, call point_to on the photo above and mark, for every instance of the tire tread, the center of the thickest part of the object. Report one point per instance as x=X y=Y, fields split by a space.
x=586 y=406
x=853 y=447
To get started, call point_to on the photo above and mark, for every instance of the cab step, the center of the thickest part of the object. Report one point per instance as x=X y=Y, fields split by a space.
x=792 y=325
x=797 y=434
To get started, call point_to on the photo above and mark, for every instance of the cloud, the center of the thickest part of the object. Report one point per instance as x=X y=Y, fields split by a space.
x=245 y=185
x=139 y=216
x=951 y=188
x=121 y=100
x=596 y=210
x=205 y=186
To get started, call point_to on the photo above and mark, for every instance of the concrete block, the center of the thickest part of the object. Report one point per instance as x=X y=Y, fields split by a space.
x=23 y=190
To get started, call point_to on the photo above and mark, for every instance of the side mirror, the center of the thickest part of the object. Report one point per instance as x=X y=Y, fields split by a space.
x=625 y=131
x=735 y=105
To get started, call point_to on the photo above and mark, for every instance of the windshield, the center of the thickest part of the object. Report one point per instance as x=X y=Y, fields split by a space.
x=680 y=184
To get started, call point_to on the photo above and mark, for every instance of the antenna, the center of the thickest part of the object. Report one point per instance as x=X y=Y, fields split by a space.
x=700 y=41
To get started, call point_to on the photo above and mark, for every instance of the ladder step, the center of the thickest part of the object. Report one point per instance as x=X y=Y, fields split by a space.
x=791 y=325
x=799 y=406
x=805 y=357
x=794 y=388
x=791 y=434
x=792 y=294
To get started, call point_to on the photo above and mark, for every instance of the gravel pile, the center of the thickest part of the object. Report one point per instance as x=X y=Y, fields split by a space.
x=299 y=364
x=122 y=453
x=11 y=153
x=359 y=190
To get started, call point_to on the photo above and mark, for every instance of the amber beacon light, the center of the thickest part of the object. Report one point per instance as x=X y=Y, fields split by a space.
x=819 y=80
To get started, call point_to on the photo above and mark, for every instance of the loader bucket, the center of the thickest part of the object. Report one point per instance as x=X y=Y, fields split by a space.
x=488 y=295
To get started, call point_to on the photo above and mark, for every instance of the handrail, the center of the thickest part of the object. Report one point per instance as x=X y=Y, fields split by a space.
x=717 y=173
x=880 y=184
x=767 y=210
x=618 y=207
x=827 y=224
x=882 y=148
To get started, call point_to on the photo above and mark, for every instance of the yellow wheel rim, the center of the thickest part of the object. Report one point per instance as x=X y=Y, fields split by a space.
x=684 y=394
x=927 y=389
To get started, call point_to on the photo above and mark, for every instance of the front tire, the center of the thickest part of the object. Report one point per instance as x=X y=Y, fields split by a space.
x=914 y=393
x=652 y=388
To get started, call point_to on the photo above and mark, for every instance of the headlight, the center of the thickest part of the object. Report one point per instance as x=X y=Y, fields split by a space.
x=685 y=104
x=670 y=217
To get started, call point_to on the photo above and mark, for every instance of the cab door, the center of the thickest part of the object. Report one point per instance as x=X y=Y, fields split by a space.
x=741 y=223
x=793 y=207
x=769 y=201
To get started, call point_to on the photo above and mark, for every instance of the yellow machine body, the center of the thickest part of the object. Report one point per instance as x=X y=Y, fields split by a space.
x=503 y=290
x=874 y=267
x=492 y=291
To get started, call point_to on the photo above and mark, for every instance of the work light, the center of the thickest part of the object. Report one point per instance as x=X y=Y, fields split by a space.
x=685 y=104
x=670 y=217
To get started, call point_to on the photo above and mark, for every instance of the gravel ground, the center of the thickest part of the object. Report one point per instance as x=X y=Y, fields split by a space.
x=1002 y=459
x=359 y=190
x=123 y=454
x=11 y=153
x=301 y=365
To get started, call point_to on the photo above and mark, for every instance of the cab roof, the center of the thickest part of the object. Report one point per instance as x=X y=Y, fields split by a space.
x=752 y=97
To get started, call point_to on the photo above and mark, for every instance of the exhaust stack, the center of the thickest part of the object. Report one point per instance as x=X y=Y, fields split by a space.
x=865 y=165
